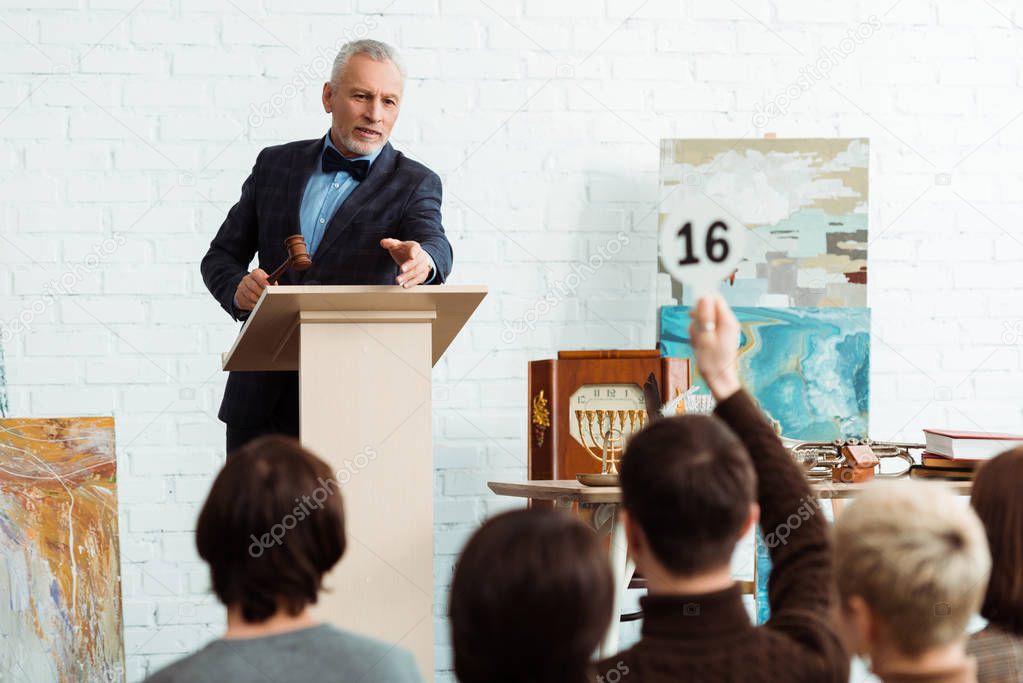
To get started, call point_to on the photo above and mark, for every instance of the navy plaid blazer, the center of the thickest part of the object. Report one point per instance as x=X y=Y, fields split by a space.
x=399 y=198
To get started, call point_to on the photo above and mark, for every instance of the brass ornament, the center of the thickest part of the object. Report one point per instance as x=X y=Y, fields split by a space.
x=541 y=418
x=604 y=432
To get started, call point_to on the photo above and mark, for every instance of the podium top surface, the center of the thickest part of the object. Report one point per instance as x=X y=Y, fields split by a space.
x=269 y=340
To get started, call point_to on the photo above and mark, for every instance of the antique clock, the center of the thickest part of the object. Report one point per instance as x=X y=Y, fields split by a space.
x=584 y=405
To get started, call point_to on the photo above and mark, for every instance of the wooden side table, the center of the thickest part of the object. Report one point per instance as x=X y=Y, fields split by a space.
x=606 y=501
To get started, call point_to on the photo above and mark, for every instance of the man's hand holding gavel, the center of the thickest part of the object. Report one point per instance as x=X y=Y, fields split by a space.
x=252 y=285
x=250 y=289
x=414 y=266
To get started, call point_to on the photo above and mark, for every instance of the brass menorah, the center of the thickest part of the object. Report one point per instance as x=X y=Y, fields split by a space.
x=603 y=434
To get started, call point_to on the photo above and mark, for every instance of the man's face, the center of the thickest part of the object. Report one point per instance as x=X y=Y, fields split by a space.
x=363 y=104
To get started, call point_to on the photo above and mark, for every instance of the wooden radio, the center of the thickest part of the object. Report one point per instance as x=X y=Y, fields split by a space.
x=583 y=405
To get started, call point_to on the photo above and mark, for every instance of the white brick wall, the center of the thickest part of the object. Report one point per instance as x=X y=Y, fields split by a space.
x=137 y=120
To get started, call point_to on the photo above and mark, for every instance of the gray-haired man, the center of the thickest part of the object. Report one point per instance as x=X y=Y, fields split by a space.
x=369 y=215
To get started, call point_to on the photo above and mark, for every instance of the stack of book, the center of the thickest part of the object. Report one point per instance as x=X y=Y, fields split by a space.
x=955 y=455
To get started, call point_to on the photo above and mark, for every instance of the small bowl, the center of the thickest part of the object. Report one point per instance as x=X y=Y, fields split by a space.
x=593 y=479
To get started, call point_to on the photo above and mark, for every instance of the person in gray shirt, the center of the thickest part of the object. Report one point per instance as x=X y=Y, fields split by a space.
x=271 y=527
x=315 y=653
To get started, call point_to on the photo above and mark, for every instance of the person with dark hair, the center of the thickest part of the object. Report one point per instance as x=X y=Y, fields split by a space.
x=996 y=498
x=530 y=600
x=272 y=526
x=693 y=486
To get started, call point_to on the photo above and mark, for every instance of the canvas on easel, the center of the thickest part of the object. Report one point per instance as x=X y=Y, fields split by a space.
x=59 y=560
x=800 y=290
x=804 y=201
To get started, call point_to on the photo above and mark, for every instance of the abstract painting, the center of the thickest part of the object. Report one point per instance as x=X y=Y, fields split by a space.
x=809 y=368
x=60 y=611
x=3 y=385
x=804 y=202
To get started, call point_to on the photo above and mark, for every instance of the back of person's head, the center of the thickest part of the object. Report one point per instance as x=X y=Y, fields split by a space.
x=916 y=557
x=689 y=484
x=271 y=527
x=999 y=504
x=530 y=600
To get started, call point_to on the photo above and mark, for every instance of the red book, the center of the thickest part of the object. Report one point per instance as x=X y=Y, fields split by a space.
x=963 y=445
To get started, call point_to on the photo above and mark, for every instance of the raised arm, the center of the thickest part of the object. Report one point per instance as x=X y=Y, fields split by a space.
x=227 y=261
x=794 y=528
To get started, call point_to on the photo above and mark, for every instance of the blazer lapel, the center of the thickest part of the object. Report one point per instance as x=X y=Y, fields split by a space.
x=303 y=162
x=379 y=172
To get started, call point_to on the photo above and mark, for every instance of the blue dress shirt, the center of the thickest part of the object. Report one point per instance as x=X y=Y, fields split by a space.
x=324 y=194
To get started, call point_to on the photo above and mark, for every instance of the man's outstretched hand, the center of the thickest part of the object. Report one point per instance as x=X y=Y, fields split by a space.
x=714 y=332
x=413 y=262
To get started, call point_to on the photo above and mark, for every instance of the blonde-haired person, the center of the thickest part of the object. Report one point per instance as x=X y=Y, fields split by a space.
x=999 y=647
x=911 y=565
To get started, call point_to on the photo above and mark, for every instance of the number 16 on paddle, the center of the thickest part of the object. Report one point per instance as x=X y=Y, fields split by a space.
x=701 y=244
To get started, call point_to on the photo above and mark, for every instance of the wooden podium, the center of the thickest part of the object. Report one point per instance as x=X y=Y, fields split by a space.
x=364 y=355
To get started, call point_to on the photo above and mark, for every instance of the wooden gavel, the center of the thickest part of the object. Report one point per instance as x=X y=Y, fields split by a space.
x=298 y=258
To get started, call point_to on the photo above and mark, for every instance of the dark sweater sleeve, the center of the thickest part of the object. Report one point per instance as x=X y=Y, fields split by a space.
x=233 y=248
x=796 y=533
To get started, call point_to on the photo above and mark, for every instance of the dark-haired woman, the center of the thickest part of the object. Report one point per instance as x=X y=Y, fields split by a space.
x=530 y=600
x=998 y=499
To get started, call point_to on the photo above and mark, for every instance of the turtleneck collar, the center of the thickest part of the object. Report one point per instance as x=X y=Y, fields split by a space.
x=702 y=616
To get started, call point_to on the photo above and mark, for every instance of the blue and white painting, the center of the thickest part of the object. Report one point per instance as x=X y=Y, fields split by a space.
x=809 y=368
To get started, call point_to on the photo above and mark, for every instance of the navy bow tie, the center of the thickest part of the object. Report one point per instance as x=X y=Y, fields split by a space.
x=334 y=162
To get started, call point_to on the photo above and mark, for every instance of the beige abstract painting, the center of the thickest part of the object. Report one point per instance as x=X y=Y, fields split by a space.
x=60 y=616
x=804 y=202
